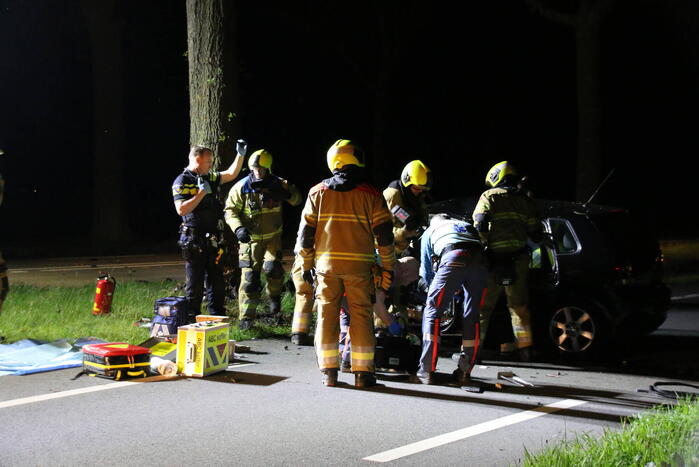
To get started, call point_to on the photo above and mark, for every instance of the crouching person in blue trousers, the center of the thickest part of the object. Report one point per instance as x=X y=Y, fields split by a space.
x=452 y=258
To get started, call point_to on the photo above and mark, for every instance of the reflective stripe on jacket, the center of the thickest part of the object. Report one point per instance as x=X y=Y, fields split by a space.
x=505 y=217
x=341 y=229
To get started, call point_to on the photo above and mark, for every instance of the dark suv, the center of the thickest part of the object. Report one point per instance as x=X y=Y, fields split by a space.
x=602 y=280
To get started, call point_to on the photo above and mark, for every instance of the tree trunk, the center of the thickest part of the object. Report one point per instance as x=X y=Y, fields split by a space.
x=589 y=165
x=110 y=224
x=213 y=99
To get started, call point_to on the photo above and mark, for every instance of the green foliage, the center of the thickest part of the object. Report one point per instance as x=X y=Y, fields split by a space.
x=50 y=313
x=667 y=435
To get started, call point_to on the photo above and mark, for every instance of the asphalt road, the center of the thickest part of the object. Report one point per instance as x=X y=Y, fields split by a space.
x=269 y=407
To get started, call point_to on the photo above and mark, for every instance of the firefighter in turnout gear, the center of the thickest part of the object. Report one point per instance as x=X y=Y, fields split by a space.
x=505 y=217
x=201 y=233
x=4 y=283
x=254 y=213
x=304 y=303
x=452 y=258
x=345 y=222
x=406 y=201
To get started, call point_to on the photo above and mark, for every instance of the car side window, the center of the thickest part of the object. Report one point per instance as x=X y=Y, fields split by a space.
x=564 y=237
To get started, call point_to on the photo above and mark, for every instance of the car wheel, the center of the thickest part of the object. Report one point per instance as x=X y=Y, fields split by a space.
x=578 y=329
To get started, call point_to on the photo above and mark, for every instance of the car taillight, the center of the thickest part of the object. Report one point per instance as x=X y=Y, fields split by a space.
x=623 y=271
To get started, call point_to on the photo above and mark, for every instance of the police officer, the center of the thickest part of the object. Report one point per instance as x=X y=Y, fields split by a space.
x=452 y=258
x=406 y=201
x=201 y=233
x=506 y=218
x=254 y=213
x=344 y=217
x=4 y=283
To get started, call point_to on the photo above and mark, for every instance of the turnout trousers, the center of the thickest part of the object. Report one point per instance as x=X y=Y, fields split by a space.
x=254 y=258
x=358 y=289
x=517 y=296
x=303 y=306
x=458 y=269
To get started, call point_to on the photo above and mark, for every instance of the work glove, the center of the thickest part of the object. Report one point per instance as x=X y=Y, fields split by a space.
x=383 y=279
x=241 y=146
x=203 y=185
x=310 y=276
x=242 y=234
x=395 y=329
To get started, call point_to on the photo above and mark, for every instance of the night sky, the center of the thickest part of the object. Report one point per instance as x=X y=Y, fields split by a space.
x=468 y=89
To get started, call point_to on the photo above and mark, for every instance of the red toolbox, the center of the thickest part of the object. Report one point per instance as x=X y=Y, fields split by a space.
x=116 y=360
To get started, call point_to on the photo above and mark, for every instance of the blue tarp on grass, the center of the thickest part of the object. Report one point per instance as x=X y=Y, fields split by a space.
x=33 y=356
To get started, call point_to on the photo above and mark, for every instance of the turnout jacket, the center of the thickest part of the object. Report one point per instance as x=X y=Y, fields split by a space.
x=343 y=224
x=256 y=205
x=505 y=217
x=397 y=195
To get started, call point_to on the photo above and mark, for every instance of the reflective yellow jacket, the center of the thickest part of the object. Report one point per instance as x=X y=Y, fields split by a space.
x=394 y=197
x=248 y=207
x=342 y=230
x=504 y=218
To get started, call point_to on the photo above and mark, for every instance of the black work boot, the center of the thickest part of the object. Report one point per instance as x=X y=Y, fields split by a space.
x=300 y=338
x=364 y=379
x=275 y=308
x=345 y=366
x=462 y=377
x=329 y=377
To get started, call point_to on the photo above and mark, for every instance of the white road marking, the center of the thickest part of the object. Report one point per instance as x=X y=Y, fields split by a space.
x=683 y=297
x=58 y=395
x=464 y=433
x=101 y=387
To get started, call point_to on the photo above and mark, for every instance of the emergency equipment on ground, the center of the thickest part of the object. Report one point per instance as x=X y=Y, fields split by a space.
x=202 y=348
x=104 y=294
x=169 y=313
x=116 y=360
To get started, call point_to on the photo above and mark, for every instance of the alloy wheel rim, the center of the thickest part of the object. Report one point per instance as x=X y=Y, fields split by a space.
x=572 y=329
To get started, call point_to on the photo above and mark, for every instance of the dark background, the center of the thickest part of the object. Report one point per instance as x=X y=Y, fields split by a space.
x=470 y=88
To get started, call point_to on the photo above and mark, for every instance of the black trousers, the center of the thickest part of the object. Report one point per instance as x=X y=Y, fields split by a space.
x=202 y=271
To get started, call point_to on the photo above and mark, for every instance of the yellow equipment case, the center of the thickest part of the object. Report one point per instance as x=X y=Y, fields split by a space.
x=202 y=348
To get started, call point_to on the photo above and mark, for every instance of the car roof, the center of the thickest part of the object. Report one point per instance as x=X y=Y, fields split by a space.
x=464 y=206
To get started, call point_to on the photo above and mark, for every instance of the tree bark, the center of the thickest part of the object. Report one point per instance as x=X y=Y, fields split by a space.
x=213 y=83
x=110 y=225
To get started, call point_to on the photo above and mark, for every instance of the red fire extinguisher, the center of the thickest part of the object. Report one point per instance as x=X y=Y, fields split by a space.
x=104 y=294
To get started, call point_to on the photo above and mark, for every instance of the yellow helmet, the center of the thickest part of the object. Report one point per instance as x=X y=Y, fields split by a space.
x=498 y=172
x=344 y=152
x=416 y=173
x=260 y=158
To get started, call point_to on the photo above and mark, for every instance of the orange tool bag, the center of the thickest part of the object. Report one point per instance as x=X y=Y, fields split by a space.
x=115 y=360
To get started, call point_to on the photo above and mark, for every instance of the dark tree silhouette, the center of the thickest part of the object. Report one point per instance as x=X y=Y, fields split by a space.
x=586 y=17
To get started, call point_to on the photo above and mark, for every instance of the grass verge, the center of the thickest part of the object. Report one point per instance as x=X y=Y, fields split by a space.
x=666 y=435
x=50 y=313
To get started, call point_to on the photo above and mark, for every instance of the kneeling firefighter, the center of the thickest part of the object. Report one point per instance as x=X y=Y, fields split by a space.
x=344 y=217
x=505 y=218
x=406 y=199
x=254 y=213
